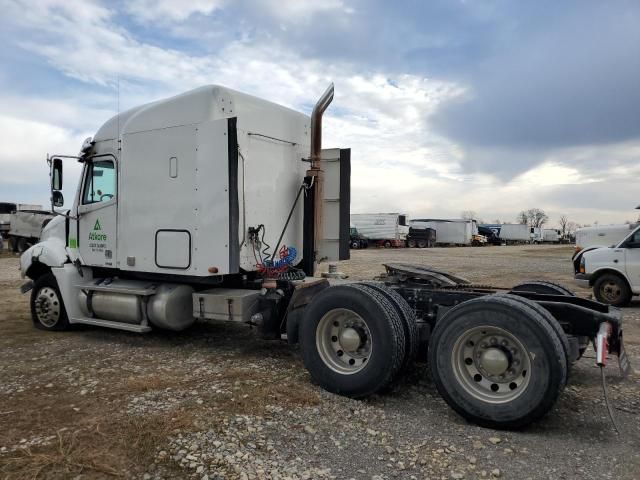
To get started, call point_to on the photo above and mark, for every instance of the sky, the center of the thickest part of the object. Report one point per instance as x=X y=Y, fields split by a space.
x=447 y=106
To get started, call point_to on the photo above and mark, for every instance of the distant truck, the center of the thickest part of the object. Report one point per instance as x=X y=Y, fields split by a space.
x=382 y=229
x=356 y=240
x=513 y=233
x=537 y=235
x=421 y=237
x=452 y=231
x=602 y=235
x=492 y=237
x=551 y=235
x=26 y=228
x=6 y=210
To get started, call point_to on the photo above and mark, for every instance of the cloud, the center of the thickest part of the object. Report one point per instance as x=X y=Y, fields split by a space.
x=167 y=11
x=562 y=80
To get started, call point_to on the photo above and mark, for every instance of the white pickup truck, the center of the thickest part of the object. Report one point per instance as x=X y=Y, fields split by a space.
x=613 y=272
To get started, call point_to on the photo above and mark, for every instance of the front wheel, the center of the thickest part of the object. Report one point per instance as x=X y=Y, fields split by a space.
x=497 y=362
x=47 y=308
x=411 y=243
x=612 y=290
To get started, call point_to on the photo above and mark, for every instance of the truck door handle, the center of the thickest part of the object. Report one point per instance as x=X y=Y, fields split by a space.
x=615 y=261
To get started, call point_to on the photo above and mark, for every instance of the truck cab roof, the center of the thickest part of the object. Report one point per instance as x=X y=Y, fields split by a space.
x=210 y=102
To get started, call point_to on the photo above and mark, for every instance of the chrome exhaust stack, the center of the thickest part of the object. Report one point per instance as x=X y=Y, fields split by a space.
x=315 y=171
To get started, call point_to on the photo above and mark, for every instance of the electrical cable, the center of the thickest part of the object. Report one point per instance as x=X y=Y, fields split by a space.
x=286 y=224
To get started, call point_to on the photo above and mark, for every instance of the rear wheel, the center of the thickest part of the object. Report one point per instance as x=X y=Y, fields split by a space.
x=47 y=308
x=422 y=243
x=408 y=318
x=497 y=362
x=352 y=340
x=387 y=244
x=22 y=245
x=612 y=290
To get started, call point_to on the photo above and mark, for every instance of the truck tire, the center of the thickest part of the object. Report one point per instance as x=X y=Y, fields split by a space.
x=543 y=287
x=497 y=362
x=22 y=245
x=411 y=243
x=13 y=244
x=612 y=289
x=387 y=244
x=553 y=323
x=355 y=244
x=352 y=340
x=422 y=244
x=409 y=321
x=47 y=307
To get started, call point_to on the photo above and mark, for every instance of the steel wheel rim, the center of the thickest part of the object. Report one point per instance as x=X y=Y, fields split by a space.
x=47 y=307
x=491 y=364
x=343 y=341
x=611 y=291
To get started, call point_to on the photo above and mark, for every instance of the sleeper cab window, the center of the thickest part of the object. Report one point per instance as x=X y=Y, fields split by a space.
x=100 y=182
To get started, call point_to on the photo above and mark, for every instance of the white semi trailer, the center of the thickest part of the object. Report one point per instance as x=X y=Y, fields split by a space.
x=218 y=205
x=551 y=235
x=382 y=229
x=452 y=232
x=512 y=233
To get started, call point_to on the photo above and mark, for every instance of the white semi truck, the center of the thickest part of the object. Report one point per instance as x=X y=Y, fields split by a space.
x=216 y=205
x=452 y=232
x=382 y=229
x=514 y=233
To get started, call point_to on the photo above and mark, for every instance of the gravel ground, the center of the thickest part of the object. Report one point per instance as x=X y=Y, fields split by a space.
x=216 y=403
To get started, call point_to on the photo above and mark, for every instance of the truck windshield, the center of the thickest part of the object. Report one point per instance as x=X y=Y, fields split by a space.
x=100 y=182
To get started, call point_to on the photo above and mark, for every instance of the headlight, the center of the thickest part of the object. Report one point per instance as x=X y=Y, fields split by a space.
x=582 y=265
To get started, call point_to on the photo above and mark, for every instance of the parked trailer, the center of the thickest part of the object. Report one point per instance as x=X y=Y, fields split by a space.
x=421 y=237
x=132 y=258
x=382 y=229
x=602 y=235
x=513 y=233
x=551 y=235
x=452 y=232
x=26 y=228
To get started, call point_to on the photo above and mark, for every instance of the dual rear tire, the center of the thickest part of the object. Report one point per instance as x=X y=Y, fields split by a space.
x=356 y=339
x=500 y=361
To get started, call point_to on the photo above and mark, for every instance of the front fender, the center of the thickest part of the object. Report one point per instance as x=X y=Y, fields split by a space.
x=50 y=253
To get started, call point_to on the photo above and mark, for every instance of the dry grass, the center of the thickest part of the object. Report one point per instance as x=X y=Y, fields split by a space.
x=114 y=449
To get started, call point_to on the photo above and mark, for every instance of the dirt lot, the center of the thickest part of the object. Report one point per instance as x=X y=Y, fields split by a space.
x=214 y=402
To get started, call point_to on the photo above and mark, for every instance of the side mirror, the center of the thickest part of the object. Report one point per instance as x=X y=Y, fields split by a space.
x=57 y=199
x=56 y=174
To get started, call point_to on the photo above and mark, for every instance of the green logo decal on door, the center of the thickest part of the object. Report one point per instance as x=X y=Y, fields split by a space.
x=100 y=237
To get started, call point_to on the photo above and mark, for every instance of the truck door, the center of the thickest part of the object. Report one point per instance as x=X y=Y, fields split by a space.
x=632 y=258
x=97 y=213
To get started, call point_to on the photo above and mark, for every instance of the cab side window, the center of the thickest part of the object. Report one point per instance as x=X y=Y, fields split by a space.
x=99 y=182
x=635 y=238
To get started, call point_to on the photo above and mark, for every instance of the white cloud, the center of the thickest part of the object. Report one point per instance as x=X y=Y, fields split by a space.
x=167 y=11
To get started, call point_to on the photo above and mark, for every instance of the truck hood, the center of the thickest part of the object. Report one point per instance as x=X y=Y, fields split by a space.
x=54 y=229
